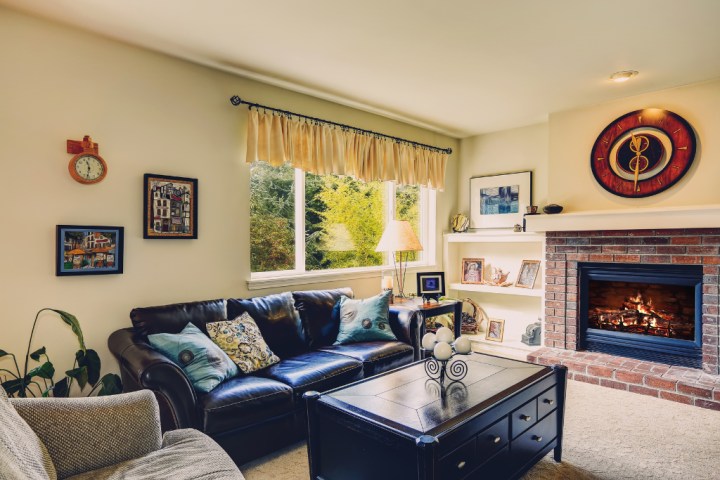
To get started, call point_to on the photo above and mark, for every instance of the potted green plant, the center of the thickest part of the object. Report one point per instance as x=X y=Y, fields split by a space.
x=39 y=381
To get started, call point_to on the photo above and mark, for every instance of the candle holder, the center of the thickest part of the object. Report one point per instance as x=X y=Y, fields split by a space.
x=440 y=348
x=438 y=370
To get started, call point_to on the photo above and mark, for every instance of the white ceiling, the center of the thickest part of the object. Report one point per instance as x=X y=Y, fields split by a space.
x=460 y=67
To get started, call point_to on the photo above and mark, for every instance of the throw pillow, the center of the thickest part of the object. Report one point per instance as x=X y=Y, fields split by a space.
x=205 y=364
x=242 y=341
x=365 y=320
x=22 y=453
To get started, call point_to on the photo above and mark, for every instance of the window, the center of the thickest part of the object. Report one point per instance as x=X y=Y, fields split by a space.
x=304 y=223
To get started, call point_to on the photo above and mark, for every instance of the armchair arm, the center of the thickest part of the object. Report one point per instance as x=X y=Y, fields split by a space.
x=406 y=326
x=87 y=433
x=142 y=367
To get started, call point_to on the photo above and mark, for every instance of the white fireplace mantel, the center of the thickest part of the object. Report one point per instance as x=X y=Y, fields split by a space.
x=705 y=216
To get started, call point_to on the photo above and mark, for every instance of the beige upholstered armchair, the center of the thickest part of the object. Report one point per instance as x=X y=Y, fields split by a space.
x=114 y=437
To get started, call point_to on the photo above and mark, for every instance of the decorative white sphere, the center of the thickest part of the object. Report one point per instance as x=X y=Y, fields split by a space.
x=428 y=341
x=462 y=345
x=444 y=334
x=443 y=351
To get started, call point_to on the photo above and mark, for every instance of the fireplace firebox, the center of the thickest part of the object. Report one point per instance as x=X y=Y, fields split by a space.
x=645 y=311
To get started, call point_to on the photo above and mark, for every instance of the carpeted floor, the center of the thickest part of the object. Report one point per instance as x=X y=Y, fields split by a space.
x=609 y=434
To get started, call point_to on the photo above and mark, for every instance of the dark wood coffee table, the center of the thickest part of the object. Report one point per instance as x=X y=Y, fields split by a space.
x=497 y=423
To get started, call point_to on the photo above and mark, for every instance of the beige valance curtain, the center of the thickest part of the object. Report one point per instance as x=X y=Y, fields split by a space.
x=327 y=149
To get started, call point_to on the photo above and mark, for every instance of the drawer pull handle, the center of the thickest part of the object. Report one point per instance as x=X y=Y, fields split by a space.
x=496 y=439
x=537 y=438
x=549 y=401
x=461 y=465
x=527 y=418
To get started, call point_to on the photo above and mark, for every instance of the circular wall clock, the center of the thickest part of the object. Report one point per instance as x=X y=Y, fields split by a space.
x=643 y=153
x=87 y=166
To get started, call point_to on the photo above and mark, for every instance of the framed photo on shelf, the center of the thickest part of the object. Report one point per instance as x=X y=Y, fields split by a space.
x=473 y=270
x=431 y=285
x=170 y=207
x=499 y=201
x=495 y=330
x=528 y=272
x=88 y=250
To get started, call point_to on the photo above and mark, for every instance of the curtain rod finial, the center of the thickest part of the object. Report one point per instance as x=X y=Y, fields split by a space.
x=235 y=100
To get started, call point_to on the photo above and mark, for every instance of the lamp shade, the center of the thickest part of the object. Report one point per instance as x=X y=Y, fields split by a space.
x=398 y=237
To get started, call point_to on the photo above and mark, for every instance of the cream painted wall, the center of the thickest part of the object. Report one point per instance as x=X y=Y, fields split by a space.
x=573 y=133
x=150 y=114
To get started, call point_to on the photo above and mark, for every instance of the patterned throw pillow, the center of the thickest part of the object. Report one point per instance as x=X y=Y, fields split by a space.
x=242 y=341
x=364 y=320
x=203 y=362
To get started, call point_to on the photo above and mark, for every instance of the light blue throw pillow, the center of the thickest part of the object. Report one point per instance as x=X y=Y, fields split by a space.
x=364 y=320
x=205 y=364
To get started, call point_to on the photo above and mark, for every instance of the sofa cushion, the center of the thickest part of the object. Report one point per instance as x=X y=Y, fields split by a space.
x=314 y=371
x=205 y=364
x=315 y=308
x=242 y=341
x=243 y=401
x=185 y=454
x=365 y=320
x=22 y=453
x=377 y=357
x=278 y=320
x=173 y=318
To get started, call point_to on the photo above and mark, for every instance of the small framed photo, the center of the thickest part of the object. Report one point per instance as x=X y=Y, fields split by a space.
x=170 y=207
x=499 y=201
x=431 y=285
x=473 y=270
x=495 y=330
x=528 y=272
x=89 y=250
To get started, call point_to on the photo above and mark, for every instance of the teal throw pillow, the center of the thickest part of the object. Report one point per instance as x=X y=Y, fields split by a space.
x=364 y=320
x=205 y=364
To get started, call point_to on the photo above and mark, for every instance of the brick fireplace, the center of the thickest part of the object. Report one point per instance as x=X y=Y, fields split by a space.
x=567 y=250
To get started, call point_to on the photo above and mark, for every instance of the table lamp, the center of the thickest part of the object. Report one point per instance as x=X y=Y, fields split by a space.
x=399 y=238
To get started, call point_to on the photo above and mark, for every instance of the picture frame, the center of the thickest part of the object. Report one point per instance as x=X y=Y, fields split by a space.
x=170 y=207
x=430 y=285
x=499 y=201
x=527 y=274
x=88 y=250
x=472 y=271
x=495 y=330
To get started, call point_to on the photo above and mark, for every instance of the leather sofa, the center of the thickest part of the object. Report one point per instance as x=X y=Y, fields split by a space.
x=252 y=415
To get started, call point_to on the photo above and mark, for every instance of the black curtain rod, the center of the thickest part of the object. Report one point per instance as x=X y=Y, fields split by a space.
x=235 y=100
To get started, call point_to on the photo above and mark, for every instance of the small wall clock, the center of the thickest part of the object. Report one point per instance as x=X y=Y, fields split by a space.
x=87 y=166
x=643 y=153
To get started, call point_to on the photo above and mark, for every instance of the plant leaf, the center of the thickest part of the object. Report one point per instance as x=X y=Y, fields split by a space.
x=74 y=325
x=3 y=353
x=36 y=354
x=60 y=389
x=16 y=385
x=80 y=374
x=91 y=360
x=46 y=370
x=111 y=385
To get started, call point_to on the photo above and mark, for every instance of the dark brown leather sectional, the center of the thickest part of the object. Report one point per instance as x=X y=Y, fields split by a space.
x=252 y=415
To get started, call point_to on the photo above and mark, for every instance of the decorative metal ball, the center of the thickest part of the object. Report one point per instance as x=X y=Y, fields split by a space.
x=460 y=223
x=444 y=334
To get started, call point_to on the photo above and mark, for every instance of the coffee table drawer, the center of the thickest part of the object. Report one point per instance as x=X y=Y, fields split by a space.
x=547 y=402
x=524 y=417
x=531 y=442
x=459 y=462
x=492 y=439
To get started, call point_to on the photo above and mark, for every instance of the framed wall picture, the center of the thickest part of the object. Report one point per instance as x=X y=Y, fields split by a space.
x=88 y=250
x=495 y=330
x=431 y=285
x=499 y=201
x=170 y=207
x=473 y=270
x=528 y=272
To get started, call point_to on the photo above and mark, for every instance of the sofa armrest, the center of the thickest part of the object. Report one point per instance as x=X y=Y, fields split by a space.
x=142 y=367
x=405 y=325
x=84 y=434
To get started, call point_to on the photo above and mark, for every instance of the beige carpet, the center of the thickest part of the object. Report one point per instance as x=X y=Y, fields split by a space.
x=609 y=434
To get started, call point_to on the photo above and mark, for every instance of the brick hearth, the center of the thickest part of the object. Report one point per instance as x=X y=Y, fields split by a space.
x=673 y=246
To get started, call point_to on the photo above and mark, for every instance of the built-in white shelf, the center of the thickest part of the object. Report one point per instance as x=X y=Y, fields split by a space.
x=524 y=292
x=494 y=236
x=507 y=349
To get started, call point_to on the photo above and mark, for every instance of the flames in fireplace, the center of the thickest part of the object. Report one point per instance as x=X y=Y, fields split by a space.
x=614 y=308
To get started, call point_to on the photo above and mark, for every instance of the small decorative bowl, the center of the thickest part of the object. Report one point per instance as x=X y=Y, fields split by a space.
x=552 y=208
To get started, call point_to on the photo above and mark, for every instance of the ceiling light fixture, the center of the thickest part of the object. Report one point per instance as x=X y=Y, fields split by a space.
x=623 y=76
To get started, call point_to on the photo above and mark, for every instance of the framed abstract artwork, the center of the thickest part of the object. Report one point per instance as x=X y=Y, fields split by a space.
x=431 y=285
x=170 y=207
x=88 y=250
x=499 y=201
